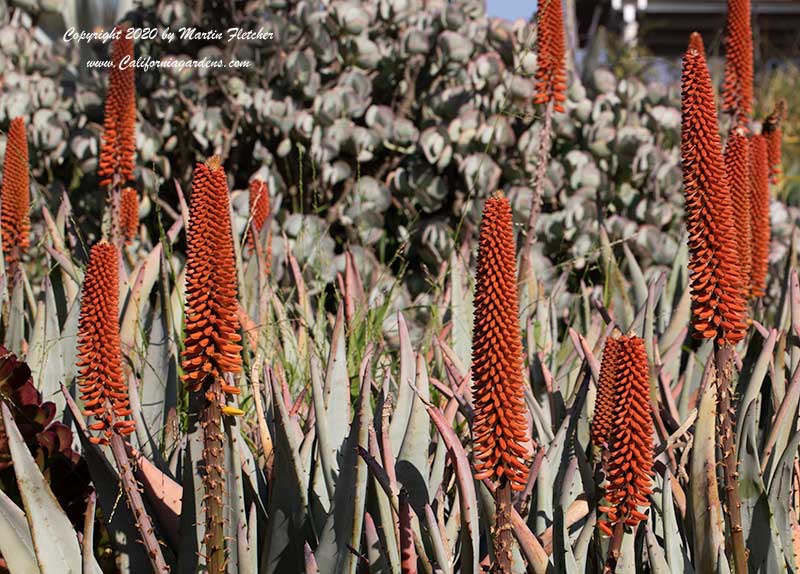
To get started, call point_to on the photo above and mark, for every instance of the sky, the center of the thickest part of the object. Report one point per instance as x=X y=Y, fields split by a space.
x=510 y=9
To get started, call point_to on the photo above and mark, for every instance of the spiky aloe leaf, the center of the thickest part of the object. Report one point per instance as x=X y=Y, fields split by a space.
x=674 y=548
x=461 y=309
x=16 y=544
x=54 y=540
x=405 y=391
x=766 y=550
x=412 y=461
x=781 y=484
x=288 y=501
x=140 y=284
x=706 y=510
x=15 y=331
x=159 y=383
x=340 y=539
x=655 y=554
x=45 y=357
x=467 y=499
x=120 y=520
x=337 y=391
x=239 y=556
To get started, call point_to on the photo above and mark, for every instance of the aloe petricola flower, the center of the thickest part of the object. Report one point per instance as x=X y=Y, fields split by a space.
x=500 y=428
x=259 y=210
x=129 y=213
x=15 y=203
x=738 y=83
x=774 y=135
x=104 y=391
x=211 y=336
x=115 y=166
x=551 y=80
x=623 y=426
x=718 y=300
x=737 y=168
x=759 y=200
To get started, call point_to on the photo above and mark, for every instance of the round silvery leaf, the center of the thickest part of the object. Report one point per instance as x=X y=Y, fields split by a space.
x=455 y=47
x=604 y=80
x=336 y=172
x=666 y=117
x=328 y=106
x=395 y=11
x=14 y=104
x=404 y=132
x=463 y=129
x=46 y=93
x=521 y=88
x=367 y=54
x=148 y=142
x=496 y=131
x=304 y=124
x=434 y=241
x=365 y=142
x=381 y=120
x=416 y=41
x=452 y=17
x=526 y=63
x=481 y=174
x=486 y=71
x=174 y=14
x=435 y=145
x=351 y=17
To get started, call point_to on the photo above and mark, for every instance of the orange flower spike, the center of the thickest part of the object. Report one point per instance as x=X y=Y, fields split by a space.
x=604 y=405
x=119 y=123
x=717 y=288
x=737 y=167
x=259 y=208
x=737 y=87
x=629 y=468
x=760 y=225
x=15 y=201
x=211 y=326
x=500 y=427
x=129 y=213
x=772 y=131
x=104 y=391
x=551 y=75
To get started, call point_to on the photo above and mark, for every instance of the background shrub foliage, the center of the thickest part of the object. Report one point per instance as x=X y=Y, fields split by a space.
x=380 y=128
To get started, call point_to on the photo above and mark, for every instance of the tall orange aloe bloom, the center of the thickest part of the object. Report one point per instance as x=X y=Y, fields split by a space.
x=551 y=76
x=116 y=161
x=759 y=200
x=259 y=209
x=737 y=86
x=737 y=167
x=717 y=288
x=100 y=376
x=15 y=202
x=628 y=432
x=129 y=213
x=772 y=131
x=500 y=428
x=211 y=324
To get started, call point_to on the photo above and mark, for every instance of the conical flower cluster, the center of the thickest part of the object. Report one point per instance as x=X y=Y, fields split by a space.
x=15 y=202
x=717 y=288
x=551 y=76
x=259 y=209
x=100 y=377
x=759 y=200
x=623 y=425
x=737 y=168
x=119 y=126
x=737 y=86
x=500 y=428
x=772 y=131
x=210 y=325
x=129 y=213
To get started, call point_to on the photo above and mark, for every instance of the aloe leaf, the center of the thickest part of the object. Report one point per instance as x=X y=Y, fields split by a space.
x=159 y=383
x=655 y=554
x=766 y=550
x=411 y=465
x=132 y=323
x=54 y=540
x=637 y=277
x=15 y=330
x=375 y=552
x=342 y=531
x=69 y=341
x=616 y=290
x=461 y=309
x=467 y=499
x=246 y=543
x=16 y=544
x=780 y=485
x=405 y=391
x=757 y=377
x=235 y=510
x=782 y=427
x=705 y=505
x=119 y=520
x=45 y=357
x=192 y=521
x=327 y=455
x=673 y=543
x=337 y=392
x=627 y=558
x=288 y=501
